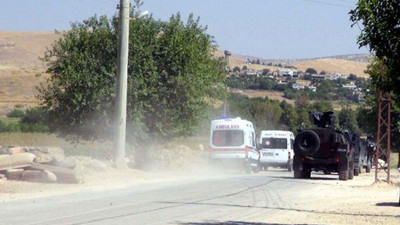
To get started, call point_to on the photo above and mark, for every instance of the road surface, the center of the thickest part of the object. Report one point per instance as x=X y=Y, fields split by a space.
x=245 y=199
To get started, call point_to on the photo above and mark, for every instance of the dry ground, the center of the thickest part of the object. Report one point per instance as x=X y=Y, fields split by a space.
x=357 y=202
x=20 y=66
x=330 y=65
x=276 y=95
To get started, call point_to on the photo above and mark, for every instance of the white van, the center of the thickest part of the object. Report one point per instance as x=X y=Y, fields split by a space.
x=276 y=149
x=234 y=141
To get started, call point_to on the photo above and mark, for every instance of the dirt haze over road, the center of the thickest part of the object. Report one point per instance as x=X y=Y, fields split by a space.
x=203 y=197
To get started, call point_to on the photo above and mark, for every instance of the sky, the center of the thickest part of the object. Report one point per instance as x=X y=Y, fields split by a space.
x=270 y=29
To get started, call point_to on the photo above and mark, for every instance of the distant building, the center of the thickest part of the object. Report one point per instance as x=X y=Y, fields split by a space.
x=318 y=76
x=298 y=87
x=335 y=76
x=251 y=72
x=350 y=86
x=288 y=73
x=312 y=88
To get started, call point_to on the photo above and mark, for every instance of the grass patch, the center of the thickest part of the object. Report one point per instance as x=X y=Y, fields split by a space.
x=95 y=149
x=394 y=159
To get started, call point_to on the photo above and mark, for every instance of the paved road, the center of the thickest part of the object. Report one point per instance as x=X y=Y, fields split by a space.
x=247 y=198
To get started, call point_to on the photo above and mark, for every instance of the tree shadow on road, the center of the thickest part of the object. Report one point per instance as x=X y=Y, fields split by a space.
x=311 y=178
x=393 y=204
x=231 y=223
x=341 y=213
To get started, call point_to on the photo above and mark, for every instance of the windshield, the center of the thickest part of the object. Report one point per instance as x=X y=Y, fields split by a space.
x=274 y=143
x=222 y=138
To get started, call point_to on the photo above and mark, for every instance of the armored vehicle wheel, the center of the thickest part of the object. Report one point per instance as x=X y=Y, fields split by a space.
x=307 y=174
x=307 y=142
x=302 y=174
x=368 y=169
x=351 y=171
x=343 y=175
x=298 y=174
x=356 y=171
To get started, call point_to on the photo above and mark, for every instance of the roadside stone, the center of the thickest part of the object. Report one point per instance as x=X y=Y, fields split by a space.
x=16 y=161
x=15 y=150
x=14 y=174
x=3 y=177
x=41 y=176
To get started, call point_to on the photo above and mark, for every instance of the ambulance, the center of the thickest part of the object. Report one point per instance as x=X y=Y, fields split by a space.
x=276 y=149
x=233 y=141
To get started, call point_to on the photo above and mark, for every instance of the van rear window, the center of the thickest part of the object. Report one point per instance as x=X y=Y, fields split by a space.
x=224 y=138
x=274 y=143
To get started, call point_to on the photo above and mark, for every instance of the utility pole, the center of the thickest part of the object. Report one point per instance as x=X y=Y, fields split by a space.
x=122 y=86
x=383 y=137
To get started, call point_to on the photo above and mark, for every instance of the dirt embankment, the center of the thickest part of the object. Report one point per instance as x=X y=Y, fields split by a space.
x=359 y=201
x=356 y=202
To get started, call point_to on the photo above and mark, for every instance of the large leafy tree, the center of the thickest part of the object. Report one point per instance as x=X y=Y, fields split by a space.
x=348 y=120
x=263 y=112
x=172 y=76
x=381 y=32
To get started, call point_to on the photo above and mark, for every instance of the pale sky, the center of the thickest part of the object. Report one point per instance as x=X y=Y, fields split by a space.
x=271 y=29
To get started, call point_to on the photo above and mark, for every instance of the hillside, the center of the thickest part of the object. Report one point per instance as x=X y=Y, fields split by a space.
x=23 y=49
x=345 y=64
x=332 y=65
x=19 y=66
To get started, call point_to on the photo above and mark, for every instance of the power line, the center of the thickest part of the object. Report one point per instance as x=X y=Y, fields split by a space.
x=354 y=2
x=329 y=3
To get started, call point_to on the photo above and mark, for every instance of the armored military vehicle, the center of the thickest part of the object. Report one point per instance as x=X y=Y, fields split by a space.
x=323 y=148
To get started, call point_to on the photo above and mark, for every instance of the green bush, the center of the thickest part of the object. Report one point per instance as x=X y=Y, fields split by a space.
x=16 y=113
x=32 y=122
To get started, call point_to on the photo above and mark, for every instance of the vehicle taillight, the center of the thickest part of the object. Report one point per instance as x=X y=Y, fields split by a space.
x=337 y=160
x=303 y=159
x=246 y=151
x=289 y=156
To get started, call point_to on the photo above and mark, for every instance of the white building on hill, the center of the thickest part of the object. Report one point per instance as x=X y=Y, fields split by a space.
x=288 y=73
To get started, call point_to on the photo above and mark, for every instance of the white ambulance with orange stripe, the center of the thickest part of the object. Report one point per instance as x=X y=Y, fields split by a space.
x=233 y=140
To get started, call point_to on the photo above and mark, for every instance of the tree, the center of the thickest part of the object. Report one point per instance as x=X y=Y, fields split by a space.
x=236 y=69
x=244 y=68
x=263 y=112
x=322 y=72
x=172 y=75
x=348 y=120
x=380 y=31
x=289 y=116
x=265 y=72
x=352 y=77
x=311 y=71
x=323 y=106
x=302 y=101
